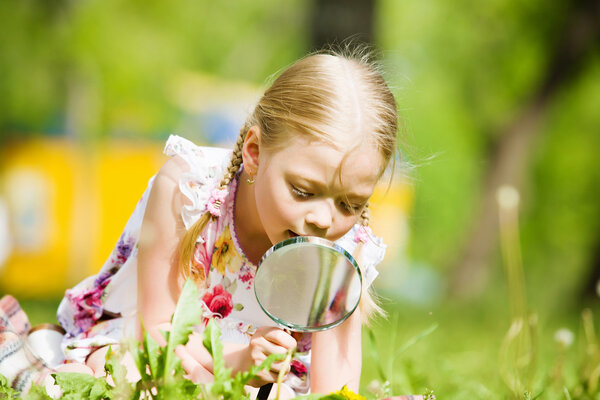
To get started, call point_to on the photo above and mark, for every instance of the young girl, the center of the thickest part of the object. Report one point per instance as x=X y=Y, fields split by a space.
x=305 y=163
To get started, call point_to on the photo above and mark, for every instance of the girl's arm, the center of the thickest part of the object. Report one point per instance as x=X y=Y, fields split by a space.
x=337 y=356
x=160 y=283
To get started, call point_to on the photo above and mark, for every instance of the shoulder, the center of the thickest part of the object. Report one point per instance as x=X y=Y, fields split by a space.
x=371 y=252
x=198 y=159
x=172 y=170
x=194 y=171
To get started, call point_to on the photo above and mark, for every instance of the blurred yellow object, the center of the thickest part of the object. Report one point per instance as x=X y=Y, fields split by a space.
x=390 y=206
x=67 y=205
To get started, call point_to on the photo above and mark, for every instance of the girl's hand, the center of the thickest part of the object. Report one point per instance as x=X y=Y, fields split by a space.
x=266 y=341
x=195 y=371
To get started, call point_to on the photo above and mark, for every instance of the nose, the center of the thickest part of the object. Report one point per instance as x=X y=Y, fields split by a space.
x=320 y=215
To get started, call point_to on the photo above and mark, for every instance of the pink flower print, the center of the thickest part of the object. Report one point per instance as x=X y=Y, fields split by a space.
x=202 y=259
x=87 y=304
x=362 y=235
x=298 y=368
x=246 y=275
x=215 y=201
x=218 y=301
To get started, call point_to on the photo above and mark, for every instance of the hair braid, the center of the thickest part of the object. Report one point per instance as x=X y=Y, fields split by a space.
x=236 y=160
x=365 y=215
x=187 y=246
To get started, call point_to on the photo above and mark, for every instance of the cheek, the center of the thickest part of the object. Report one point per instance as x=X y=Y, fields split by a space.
x=273 y=204
x=343 y=225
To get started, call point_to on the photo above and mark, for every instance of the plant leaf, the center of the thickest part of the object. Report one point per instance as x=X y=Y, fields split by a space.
x=118 y=372
x=244 y=377
x=6 y=391
x=75 y=385
x=154 y=355
x=187 y=314
x=212 y=343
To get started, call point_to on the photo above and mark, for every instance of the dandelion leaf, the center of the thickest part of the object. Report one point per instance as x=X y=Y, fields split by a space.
x=187 y=314
x=76 y=386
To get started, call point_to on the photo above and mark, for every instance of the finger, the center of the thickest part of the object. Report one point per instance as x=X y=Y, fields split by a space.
x=187 y=361
x=279 y=366
x=265 y=377
x=262 y=348
x=281 y=338
x=194 y=370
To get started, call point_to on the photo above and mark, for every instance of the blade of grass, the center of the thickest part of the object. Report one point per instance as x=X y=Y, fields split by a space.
x=410 y=342
x=375 y=354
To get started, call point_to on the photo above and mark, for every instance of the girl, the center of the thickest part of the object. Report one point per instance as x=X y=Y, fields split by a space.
x=305 y=163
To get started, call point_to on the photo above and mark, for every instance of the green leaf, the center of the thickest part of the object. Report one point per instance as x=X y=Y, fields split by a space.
x=6 y=391
x=154 y=355
x=212 y=343
x=75 y=385
x=187 y=314
x=141 y=360
x=37 y=392
x=118 y=372
x=254 y=370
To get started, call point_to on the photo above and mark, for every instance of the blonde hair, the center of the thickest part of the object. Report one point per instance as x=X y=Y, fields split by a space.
x=324 y=96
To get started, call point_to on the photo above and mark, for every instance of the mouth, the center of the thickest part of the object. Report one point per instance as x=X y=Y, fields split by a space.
x=292 y=234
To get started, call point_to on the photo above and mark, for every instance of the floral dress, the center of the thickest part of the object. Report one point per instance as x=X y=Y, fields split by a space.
x=102 y=309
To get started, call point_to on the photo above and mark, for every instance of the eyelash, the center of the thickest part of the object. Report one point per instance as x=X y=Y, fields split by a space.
x=350 y=208
x=301 y=194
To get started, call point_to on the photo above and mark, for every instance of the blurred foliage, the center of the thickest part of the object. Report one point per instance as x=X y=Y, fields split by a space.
x=462 y=71
x=103 y=67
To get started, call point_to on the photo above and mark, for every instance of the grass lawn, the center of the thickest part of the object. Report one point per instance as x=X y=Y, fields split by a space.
x=455 y=350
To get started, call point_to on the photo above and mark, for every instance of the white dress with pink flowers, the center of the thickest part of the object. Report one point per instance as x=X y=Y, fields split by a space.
x=102 y=308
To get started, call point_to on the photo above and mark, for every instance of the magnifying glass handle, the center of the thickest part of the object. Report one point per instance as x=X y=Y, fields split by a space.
x=263 y=392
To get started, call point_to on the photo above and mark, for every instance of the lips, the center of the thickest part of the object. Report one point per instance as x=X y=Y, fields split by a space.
x=292 y=234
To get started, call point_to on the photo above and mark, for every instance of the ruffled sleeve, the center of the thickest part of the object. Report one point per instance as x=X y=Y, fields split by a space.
x=206 y=168
x=371 y=254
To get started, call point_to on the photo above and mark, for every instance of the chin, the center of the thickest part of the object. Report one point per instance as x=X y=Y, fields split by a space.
x=291 y=234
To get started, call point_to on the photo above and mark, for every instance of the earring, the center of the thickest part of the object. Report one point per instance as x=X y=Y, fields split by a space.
x=250 y=180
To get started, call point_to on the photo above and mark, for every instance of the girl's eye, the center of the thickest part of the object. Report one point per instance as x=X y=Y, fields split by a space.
x=351 y=208
x=300 y=193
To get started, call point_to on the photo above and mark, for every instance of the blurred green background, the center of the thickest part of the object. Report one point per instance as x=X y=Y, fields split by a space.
x=491 y=93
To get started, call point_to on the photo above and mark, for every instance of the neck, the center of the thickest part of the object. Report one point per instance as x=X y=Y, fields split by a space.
x=250 y=232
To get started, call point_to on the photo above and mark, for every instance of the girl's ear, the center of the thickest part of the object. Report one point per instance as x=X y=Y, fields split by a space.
x=251 y=149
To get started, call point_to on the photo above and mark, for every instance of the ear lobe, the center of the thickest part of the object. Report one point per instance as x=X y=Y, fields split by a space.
x=251 y=149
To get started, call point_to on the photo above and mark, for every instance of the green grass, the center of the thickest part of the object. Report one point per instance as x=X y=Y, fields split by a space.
x=452 y=348
x=40 y=311
x=460 y=358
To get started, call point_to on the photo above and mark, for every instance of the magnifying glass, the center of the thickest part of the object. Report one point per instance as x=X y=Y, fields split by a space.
x=308 y=284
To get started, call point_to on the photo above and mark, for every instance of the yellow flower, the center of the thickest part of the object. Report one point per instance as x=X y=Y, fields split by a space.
x=225 y=255
x=349 y=394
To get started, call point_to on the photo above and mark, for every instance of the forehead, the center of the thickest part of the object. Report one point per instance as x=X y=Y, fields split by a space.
x=348 y=167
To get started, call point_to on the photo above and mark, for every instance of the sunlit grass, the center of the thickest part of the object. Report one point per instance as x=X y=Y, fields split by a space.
x=40 y=311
